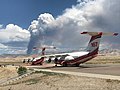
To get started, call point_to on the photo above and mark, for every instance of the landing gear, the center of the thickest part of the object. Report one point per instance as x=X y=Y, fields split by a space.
x=77 y=64
x=55 y=65
x=24 y=61
x=56 y=61
x=41 y=63
x=65 y=64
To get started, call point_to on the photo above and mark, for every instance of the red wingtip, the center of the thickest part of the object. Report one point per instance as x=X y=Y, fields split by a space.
x=34 y=47
x=100 y=33
x=115 y=34
x=43 y=49
x=84 y=32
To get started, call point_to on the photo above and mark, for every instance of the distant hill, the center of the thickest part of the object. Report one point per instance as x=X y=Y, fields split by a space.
x=110 y=52
x=12 y=55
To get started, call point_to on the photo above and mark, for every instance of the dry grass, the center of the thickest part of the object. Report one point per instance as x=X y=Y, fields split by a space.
x=7 y=72
x=104 y=60
x=41 y=81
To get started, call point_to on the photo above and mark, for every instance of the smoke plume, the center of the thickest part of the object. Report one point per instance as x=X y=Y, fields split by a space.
x=64 y=31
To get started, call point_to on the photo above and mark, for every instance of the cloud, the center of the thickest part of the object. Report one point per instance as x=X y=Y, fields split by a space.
x=12 y=50
x=13 y=33
x=64 y=31
x=12 y=37
x=1 y=26
x=3 y=46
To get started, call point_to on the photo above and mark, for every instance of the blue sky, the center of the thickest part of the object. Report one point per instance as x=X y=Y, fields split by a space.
x=22 y=12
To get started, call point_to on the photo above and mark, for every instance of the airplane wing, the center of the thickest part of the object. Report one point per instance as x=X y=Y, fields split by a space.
x=53 y=55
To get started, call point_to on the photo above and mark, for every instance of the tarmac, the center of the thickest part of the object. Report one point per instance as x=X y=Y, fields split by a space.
x=103 y=71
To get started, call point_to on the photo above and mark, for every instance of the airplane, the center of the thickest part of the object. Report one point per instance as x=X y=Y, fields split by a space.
x=39 y=60
x=76 y=58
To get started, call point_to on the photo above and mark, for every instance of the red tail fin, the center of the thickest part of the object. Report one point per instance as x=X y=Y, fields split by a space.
x=94 y=42
x=43 y=51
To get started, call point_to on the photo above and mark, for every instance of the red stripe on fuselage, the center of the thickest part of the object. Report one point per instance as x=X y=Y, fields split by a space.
x=39 y=61
x=81 y=59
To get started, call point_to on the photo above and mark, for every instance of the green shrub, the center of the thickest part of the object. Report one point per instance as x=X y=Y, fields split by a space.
x=22 y=70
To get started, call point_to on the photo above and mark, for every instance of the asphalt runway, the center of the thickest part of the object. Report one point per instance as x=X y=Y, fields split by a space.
x=105 y=69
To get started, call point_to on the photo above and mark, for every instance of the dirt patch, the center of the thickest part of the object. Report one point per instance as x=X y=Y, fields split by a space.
x=6 y=72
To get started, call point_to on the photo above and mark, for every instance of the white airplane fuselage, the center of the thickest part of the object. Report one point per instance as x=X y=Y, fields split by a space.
x=75 y=58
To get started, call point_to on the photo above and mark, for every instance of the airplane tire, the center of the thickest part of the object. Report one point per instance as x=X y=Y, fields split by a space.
x=77 y=64
x=40 y=63
x=64 y=64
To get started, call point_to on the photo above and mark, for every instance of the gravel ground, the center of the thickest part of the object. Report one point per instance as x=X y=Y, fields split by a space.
x=40 y=81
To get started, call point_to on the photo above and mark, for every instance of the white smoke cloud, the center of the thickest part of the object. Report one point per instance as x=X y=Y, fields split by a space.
x=64 y=31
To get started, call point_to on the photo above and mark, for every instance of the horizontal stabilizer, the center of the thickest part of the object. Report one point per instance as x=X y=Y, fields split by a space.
x=100 y=33
x=44 y=47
